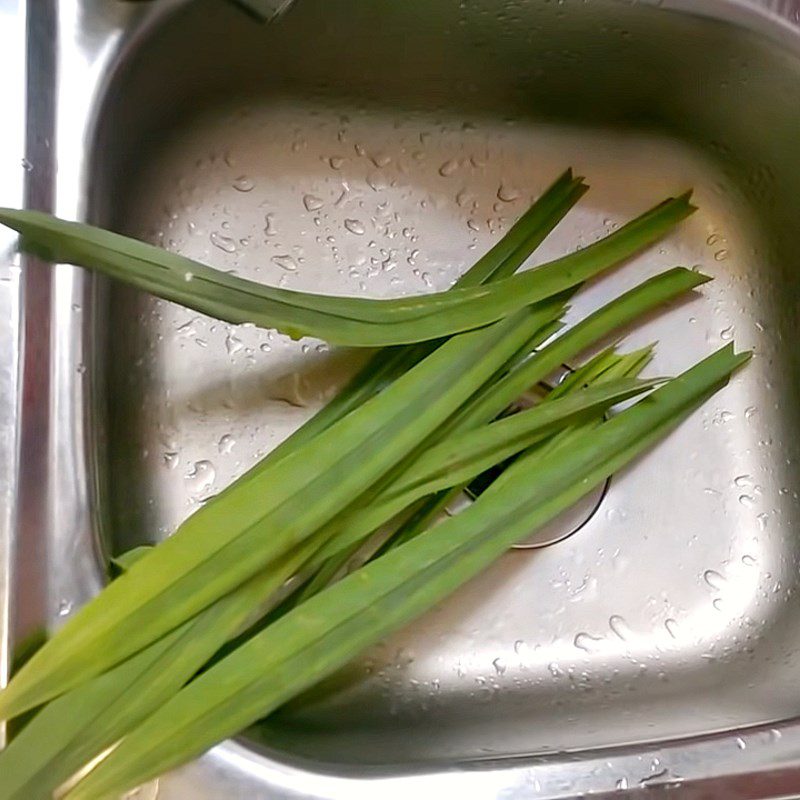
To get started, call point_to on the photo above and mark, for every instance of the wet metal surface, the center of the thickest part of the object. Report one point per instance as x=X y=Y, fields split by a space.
x=378 y=149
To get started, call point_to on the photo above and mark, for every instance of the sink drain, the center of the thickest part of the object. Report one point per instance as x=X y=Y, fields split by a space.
x=567 y=523
x=561 y=527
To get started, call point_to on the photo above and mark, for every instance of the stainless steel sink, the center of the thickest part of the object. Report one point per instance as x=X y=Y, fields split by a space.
x=375 y=148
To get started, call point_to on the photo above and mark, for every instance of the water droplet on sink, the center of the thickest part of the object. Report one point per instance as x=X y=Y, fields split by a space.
x=722 y=417
x=269 y=227
x=381 y=159
x=748 y=501
x=449 y=167
x=721 y=255
x=586 y=642
x=742 y=480
x=714 y=579
x=376 y=182
x=355 y=226
x=748 y=560
x=148 y=791
x=713 y=239
x=466 y=199
x=26 y=165
x=718 y=604
x=499 y=666
x=619 y=626
x=64 y=607
x=616 y=515
x=554 y=669
x=200 y=478
x=672 y=628
x=726 y=334
x=243 y=184
x=171 y=459
x=233 y=344
x=226 y=443
x=740 y=743
x=286 y=262
x=224 y=243
x=336 y=162
x=507 y=194
x=188 y=329
x=478 y=161
x=312 y=202
x=519 y=646
x=750 y=412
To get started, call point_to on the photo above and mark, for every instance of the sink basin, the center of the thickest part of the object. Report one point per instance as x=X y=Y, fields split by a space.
x=378 y=148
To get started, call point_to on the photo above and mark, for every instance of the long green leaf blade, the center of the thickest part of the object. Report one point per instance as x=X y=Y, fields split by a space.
x=527 y=233
x=235 y=536
x=613 y=316
x=460 y=458
x=325 y=632
x=70 y=731
x=78 y=726
x=357 y=322
x=388 y=364
x=492 y=401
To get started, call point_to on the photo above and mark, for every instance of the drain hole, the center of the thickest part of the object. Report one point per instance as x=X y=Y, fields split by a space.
x=569 y=522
